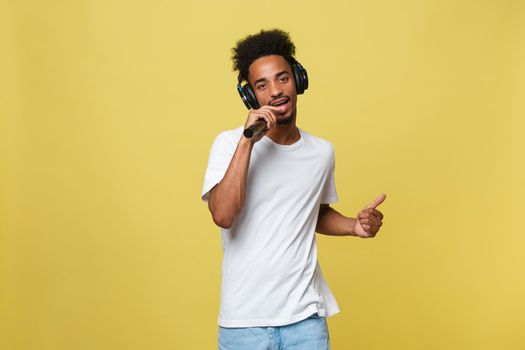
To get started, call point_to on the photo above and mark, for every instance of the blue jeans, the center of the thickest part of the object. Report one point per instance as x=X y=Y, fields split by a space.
x=308 y=334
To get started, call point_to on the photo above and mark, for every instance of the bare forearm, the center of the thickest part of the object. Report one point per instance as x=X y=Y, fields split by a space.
x=227 y=197
x=331 y=222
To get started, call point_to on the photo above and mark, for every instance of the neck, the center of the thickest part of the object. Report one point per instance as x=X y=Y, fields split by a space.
x=284 y=134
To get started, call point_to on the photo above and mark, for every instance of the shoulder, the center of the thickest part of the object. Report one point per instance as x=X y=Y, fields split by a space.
x=228 y=138
x=319 y=143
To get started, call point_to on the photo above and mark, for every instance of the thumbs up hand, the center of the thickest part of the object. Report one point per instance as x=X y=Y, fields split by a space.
x=368 y=220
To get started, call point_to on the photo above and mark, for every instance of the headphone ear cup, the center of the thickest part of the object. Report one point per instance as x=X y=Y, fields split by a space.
x=305 y=77
x=251 y=96
x=247 y=96
x=301 y=78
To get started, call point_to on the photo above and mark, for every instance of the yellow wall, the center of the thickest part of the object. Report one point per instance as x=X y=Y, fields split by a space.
x=108 y=109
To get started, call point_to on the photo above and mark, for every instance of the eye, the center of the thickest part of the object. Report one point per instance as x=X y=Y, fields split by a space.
x=283 y=79
x=260 y=86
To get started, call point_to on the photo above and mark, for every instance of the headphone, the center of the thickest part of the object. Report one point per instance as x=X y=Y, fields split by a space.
x=248 y=95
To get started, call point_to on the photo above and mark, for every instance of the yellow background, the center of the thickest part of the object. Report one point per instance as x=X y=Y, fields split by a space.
x=108 y=109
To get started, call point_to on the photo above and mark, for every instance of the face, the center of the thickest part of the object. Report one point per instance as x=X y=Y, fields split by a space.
x=272 y=81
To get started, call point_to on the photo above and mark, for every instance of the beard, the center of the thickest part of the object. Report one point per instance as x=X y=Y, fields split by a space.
x=284 y=120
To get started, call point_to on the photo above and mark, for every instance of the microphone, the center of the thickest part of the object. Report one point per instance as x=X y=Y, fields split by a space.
x=255 y=129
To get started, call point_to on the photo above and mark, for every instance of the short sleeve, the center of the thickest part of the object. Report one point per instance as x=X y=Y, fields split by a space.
x=219 y=159
x=329 y=194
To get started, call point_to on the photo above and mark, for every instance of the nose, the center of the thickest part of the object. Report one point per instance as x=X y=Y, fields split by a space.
x=275 y=90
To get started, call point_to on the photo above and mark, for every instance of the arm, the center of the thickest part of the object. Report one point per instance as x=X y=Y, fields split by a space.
x=331 y=222
x=365 y=225
x=227 y=197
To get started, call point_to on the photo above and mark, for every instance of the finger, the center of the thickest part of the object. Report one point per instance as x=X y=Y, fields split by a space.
x=278 y=109
x=267 y=118
x=370 y=228
x=365 y=221
x=254 y=117
x=369 y=212
x=263 y=117
x=271 y=117
x=272 y=113
x=371 y=232
x=377 y=201
x=375 y=213
x=371 y=222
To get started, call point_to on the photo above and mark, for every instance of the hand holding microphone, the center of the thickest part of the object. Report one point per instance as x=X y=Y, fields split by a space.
x=255 y=129
x=260 y=121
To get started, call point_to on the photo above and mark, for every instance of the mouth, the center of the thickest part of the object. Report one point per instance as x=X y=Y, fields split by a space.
x=279 y=102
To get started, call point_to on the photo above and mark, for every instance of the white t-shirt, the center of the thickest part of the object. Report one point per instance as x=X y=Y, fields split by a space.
x=270 y=272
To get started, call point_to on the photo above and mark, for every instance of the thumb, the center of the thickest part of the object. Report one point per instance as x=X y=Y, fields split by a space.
x=377 y=201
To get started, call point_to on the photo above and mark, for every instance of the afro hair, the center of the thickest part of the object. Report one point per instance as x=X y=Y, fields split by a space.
x=265 y=43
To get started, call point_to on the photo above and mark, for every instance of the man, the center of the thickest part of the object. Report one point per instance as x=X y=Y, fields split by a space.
x=270 y=193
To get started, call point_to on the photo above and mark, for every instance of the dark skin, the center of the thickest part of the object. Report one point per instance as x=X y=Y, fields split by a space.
x=366 y=225
x=272 y=80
